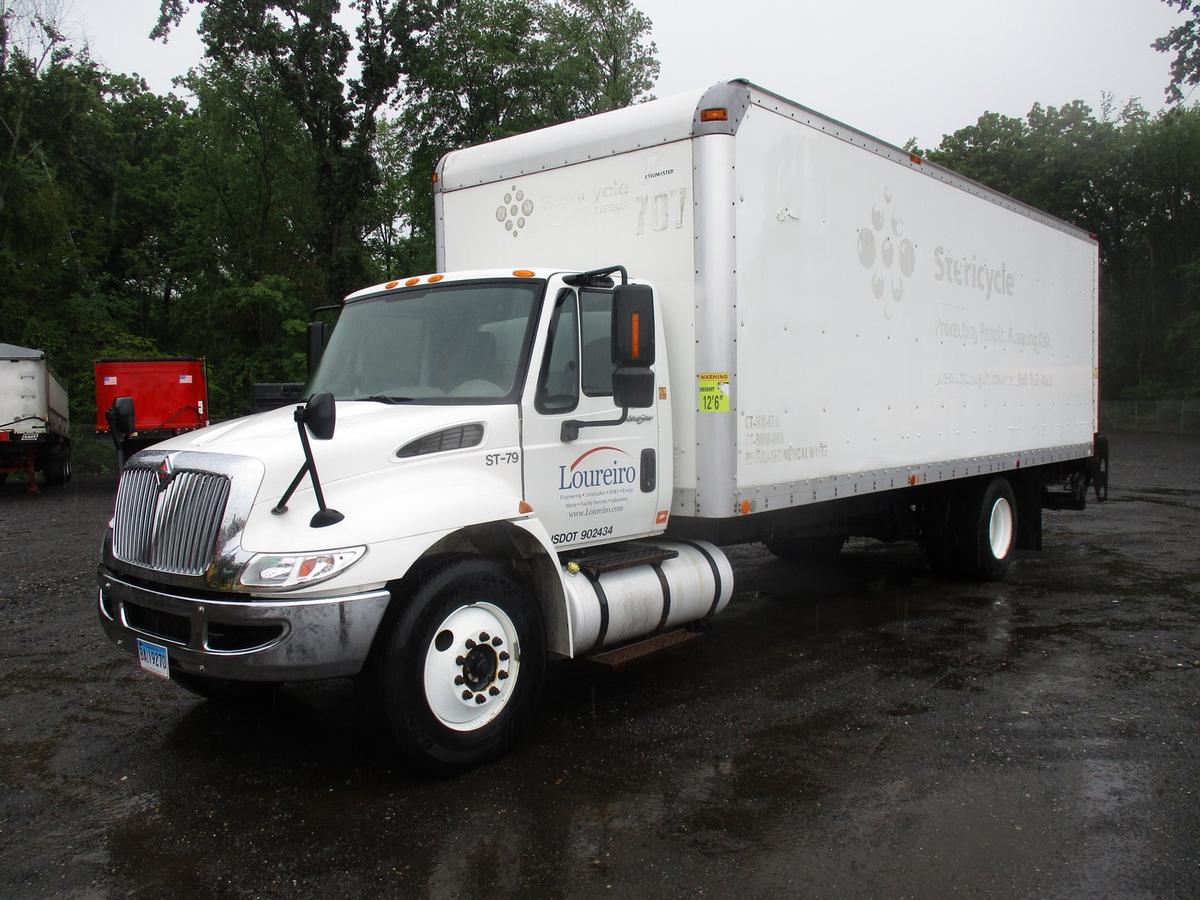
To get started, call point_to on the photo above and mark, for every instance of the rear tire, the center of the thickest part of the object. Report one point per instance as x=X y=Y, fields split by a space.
x=460 y=670
x=983 y=531
x=57 y=466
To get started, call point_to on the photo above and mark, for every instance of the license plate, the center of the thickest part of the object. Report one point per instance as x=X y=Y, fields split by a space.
x=153 y=658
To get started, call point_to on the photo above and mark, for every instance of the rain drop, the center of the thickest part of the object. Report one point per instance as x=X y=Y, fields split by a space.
x=877 y=218
x=887 y=194
x=887 y=252
x=514 y=209
x=897 y=226
x=508 y=198
x=521 y=222
x=877 y=286
x=520 y=195
x=897 y=289
x=508 y=225
x=501 y=212
x=527 y=207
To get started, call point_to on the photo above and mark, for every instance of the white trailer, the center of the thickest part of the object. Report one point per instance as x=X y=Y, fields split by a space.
x=34 y=418
x=709 y=319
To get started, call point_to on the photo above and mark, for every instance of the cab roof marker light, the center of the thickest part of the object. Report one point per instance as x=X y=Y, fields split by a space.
x=411 y=281
x=434 y=279
x=523 y=273
x=391 y=284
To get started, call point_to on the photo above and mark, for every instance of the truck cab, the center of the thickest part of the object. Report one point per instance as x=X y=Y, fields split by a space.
x=481 y=434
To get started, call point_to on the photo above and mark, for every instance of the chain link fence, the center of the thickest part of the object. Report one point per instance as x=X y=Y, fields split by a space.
x=1174 y=416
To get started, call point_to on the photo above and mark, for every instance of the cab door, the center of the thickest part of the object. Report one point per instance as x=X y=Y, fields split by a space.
x=598 y=482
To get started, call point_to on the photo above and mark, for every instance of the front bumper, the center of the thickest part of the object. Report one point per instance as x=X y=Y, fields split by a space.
x=246 y=639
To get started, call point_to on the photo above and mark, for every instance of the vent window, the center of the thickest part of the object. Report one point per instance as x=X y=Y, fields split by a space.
x=440 y=441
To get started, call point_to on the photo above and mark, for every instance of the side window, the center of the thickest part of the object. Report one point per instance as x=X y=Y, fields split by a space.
x=558 y=385
x=597 y=342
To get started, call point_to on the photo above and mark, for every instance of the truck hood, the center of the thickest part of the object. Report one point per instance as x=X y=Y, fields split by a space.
x=366 y=439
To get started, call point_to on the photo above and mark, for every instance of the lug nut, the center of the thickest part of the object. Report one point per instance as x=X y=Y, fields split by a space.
x=501 y=674
x=503 y=656
x=496 y=642
x=479 y=698
x=466 y=695
x=458 y=679
x=484 y=637
x=493 y=690
x=459 y=660
x=470 y=644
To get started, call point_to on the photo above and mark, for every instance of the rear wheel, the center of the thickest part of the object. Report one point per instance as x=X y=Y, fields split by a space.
x=56 y=468
x=982 y=531
x=461 y=668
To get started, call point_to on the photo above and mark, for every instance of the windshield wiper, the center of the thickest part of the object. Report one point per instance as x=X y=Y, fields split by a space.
x=384 y=398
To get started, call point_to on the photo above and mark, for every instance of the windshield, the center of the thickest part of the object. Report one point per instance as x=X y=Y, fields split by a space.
x=457 y=343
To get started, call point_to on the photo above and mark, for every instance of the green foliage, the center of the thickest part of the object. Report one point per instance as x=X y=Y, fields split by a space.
x=1134 y=181
x=1184 y=41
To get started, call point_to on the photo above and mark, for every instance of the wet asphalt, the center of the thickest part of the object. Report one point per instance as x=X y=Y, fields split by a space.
x=856 y=729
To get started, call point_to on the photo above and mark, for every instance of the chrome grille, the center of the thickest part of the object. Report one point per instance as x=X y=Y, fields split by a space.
x=173 y=530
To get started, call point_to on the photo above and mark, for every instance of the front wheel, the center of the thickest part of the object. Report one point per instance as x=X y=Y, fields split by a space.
x=461 y=668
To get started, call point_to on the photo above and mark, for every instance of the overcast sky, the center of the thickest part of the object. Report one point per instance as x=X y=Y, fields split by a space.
x=894 y=69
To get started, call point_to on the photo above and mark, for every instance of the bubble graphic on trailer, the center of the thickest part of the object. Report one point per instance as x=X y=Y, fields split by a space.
x=514 y=211
x=886 y=253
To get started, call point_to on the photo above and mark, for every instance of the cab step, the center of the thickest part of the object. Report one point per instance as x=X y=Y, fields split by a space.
x=596 y=561
x=627 y=655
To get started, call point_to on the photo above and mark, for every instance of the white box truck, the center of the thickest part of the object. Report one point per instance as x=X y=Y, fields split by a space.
x=709 y=319
x=35 y=434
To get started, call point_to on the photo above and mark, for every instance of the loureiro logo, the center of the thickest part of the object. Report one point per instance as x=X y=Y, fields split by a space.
x=596 y=473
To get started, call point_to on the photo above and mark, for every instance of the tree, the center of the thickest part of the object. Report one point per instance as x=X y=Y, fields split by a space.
x=487 y=69
x=306 y=51
x=1184 y=41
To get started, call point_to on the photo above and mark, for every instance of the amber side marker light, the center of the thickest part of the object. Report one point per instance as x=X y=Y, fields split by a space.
x=410 y=282
x=434 y=178
x=716 y=114
x=524 y=508
x=434 y=279
x=915 y=159
x=522 y=273
x=635 y=320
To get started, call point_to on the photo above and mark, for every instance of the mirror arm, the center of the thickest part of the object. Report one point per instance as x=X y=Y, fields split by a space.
x=585 y=278
x=570 y=428
x=324 y=515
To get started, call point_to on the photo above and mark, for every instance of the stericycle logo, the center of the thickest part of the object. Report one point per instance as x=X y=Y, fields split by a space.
x=513 y=212
x=603 y=472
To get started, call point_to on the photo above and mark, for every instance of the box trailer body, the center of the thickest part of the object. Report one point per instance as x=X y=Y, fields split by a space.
x=35 y=433
x=708 y=319
x=170 y=396
x=841 y=317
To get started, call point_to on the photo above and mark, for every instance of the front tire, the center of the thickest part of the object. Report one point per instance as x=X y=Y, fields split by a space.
x=461 y=669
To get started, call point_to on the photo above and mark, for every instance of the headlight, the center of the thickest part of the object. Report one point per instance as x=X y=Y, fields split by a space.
x=285 y=570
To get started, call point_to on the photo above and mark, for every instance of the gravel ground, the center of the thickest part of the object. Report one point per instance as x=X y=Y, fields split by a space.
x=856 y=729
